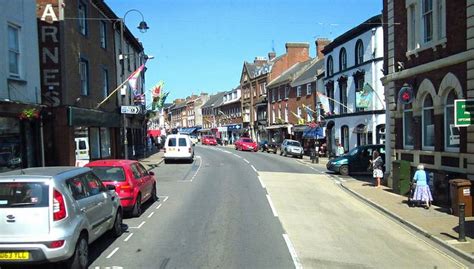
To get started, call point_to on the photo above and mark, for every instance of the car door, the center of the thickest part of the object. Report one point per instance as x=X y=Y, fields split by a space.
x=139 y=181
x=105 y=203
x=147 y=179
x=362 y=161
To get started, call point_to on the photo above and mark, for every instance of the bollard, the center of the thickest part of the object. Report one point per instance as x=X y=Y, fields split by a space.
x=462 y=231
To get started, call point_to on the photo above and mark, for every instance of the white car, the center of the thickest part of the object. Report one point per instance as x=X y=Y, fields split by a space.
x=194 y=139
x=178 y=147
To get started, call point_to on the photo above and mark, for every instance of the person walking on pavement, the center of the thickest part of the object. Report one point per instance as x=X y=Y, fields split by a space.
x=339 y=150
x=422 y=190
x=158 y=142
x=377 y=166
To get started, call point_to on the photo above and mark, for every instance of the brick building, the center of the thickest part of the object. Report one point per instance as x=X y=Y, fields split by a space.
x=229 y=122
x=434 y=60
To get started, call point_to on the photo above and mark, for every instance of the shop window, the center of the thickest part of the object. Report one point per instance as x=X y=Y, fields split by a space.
x=95 y=143
x=451 y=132
x=10 y=144
x=105 y=149
x=428 y=123
x=408 y=140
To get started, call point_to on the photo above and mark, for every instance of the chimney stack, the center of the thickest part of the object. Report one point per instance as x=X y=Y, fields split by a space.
x=271 y=55
x=297 y=52
x=260 y=60
x=320 y=44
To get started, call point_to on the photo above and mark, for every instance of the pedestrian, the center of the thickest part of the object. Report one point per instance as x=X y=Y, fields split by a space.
x=339 y=150
x=149 y=142
x=377 y=165
x=422 y=190
x=158 y=142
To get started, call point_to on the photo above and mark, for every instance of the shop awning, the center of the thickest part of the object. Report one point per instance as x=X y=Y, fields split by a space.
x=187 y=130
x=205 y=130
x=154 y=132
x=278 y=126
x=313 y=133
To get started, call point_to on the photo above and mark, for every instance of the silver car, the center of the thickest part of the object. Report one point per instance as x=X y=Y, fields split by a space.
x=52 y=214
x=292 y=148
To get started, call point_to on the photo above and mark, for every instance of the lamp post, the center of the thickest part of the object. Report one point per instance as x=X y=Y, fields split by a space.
x=143 y=27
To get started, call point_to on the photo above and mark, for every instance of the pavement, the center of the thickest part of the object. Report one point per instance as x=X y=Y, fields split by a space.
x=435 y=223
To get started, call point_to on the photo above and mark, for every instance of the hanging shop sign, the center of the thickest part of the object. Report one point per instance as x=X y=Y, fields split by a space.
x=463 y=112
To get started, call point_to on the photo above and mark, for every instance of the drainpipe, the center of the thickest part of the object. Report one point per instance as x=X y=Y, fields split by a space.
x=42 y=142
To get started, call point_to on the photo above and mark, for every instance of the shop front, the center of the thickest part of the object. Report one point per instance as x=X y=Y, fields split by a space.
x=20 y=136
x=234 y=132
x=278 y=133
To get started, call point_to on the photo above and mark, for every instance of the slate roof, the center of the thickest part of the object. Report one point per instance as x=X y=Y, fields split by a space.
x=310 y=73
x=290 y=74
x=215 y=99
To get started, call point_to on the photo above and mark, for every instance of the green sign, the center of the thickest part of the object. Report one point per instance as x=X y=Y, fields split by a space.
x=463 y=112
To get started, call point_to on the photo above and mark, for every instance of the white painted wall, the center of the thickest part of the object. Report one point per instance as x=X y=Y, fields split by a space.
x=26 y=88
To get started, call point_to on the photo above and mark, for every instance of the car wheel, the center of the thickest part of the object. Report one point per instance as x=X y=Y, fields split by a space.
x=281 y=152
x=167 y=161
x=80 y=258
x=344 y=170
x=284 y=153
x=301 y=156
x=153 y=196
x=274 y=152
x=137 y=208
x=117 y=229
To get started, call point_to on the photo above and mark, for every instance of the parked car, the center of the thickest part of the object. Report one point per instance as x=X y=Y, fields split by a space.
x=52 y=214
x=268 y=147
x=209 y=140
x=194 y=139
x=132 y=182
x=356 y=161
x=178 y=147
x=292 y=148
x=245 y=143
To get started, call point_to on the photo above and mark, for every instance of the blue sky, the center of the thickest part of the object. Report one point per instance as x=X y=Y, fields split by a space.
x=200 y=45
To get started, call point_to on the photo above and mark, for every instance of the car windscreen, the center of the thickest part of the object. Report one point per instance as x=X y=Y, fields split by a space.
x=247 y=140
x=23 y=194
x=109 y=173
x=172 y=142
x=294 y=143
x=182 y=142
x=352 y=152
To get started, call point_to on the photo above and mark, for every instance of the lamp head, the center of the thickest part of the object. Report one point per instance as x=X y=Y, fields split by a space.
x=143 y=27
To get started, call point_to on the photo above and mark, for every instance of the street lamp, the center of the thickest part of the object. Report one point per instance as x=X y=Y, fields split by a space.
x=143 y=27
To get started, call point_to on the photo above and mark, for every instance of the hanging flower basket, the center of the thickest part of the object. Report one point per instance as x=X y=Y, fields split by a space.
x=29 y=114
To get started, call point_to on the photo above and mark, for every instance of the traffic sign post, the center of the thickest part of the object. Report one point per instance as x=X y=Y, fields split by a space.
x=463 y=112
x=130 y=109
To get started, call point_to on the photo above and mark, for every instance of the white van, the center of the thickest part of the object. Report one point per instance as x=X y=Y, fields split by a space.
x=178 y=147
x=82 y=148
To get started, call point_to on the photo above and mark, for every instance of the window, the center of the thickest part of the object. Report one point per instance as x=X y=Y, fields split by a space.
x=287 y=92
x=298 y=112
x=441 y=19
x=105 y=145
x=286 y=113
x=428 y=123
x=330 y=95
x=273 y=116
x=279 y=113
x=408 y=140
x=451 y=132
x=427 y=16
x=264 y=88
x=103 y=34
x=82 y=18
x=172 y=142
x=93 y=184
x=309 y=113
x=84 y=74
x=77 y=187
x=343 y=96
x=135 y=171
x=359 y=52
x=308 y=89
x=412 y=44
x=105 y=82
x=359 y=87
x=330 y=66
x=345 y=137
x=182 y=142
x=342 y=59
x=279 y=94
x=298 y=91
x=14 y=50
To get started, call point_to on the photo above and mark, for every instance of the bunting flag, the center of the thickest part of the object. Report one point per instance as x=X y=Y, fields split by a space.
x=139 y=99
x=156 y=90
x=324 y=100
x=132 y=79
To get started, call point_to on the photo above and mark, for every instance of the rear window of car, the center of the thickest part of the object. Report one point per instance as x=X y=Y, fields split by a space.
x=182 y=142
x=24 y=194
x=109 y=173
x=172 y=142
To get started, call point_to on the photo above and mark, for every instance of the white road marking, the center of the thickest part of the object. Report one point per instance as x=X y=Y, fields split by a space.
x=238 y=156
x=197 y=171
x=245 y=160
x=166 y=198
x=128 y=237
x=261 y=182
x=296 y=260
x=253 y=167
x=197 y=156
x=151 y=214
x=271 y=206
x=139 y=226
x=112 y=253
x=158 y=207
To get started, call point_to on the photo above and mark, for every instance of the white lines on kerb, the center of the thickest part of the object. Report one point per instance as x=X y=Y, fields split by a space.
x=253 y=167
x=128 y=237
x=271 y=206
x=261 y=182
x=158 y=207
x=112 y=253
x=139 y=226
x=294 y=257
x=151 y=214
x=245 y=160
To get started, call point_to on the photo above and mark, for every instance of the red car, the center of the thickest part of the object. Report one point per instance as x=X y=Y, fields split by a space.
x=246 y=143
x=209 y=140
x=133 y=183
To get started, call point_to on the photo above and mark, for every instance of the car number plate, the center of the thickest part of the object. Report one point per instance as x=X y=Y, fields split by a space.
x=171 y=149
x=16 y=255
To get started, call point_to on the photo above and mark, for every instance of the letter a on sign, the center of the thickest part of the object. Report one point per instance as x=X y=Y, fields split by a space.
x=49 y=12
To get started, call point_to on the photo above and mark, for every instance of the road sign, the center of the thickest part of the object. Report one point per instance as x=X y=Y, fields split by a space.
x=131 y=109
x=463 y=112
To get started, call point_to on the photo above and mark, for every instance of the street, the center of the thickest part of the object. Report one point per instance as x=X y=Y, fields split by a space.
x=232 y=209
